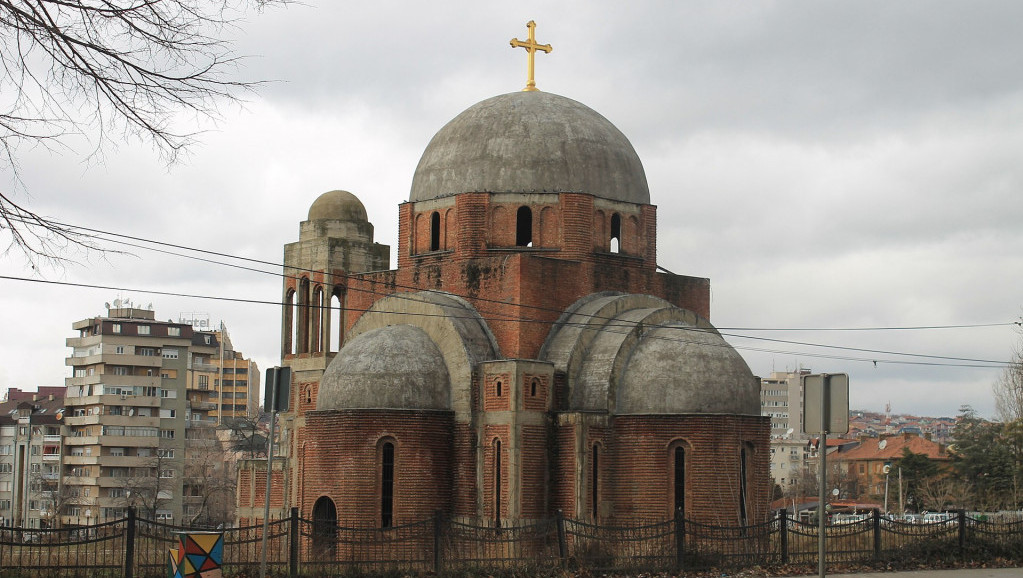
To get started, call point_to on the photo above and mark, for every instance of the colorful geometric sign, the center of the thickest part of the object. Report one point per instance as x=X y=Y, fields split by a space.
x=199 y=555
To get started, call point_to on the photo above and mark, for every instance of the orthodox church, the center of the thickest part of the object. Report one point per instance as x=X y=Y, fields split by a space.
x=527 y=355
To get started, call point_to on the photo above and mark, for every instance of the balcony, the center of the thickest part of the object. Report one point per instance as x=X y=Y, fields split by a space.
x=117 y=399
x=51 y=457
x=202 y=405
x=115 y=359
x=81 y=441
x=120 y=380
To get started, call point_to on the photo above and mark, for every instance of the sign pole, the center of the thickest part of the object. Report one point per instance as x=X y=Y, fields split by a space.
x=822 y=453
x=269 y=471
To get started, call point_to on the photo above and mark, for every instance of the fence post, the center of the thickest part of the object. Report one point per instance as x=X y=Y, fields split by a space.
x=680 y=538
x=961 y=515
x=293 y=544
x=562 y=545
x=783 y=529
x=438 y=528
x=877 y=534
x=129 y=544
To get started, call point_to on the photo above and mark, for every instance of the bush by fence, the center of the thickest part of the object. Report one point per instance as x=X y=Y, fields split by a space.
x=135 y=547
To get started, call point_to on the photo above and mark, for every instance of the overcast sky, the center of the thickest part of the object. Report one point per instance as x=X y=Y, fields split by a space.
x=827 y=165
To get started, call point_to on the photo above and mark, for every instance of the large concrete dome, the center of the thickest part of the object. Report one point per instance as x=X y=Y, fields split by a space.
x=530 y=142
x=393 y=367
x=337 y=206
x=638 y=354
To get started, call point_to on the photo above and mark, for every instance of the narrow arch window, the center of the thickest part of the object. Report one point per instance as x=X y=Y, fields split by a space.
x=316 y=321
x=498 y=389
x=532 y=388
x=524 y=227
x=616 y=233
x=497 y=483
x=594 y=489
x=303 y=317
x=435 y=231
x=387 y=486
x=289 y=323
x=336 y=328
x=680 y=479
x=743 y=470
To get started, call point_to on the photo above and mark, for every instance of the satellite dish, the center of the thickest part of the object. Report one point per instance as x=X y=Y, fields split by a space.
x=882 y=444
x=834 y=492
x=788 y=433
x=131 y=411
x=887 y=468
x=107 y=305
x=117 y=302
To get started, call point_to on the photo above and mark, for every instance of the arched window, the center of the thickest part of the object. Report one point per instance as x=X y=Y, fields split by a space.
x=497 y=483
x=336 y=331
x=289 y=322
x=303 y=317
x=498 y=389
x=679 y=479
x=316 y=319
x=744 y=455
x=524 y=227
x=324 y=528
x=595 y=480
x=532 y=388
x=616 y=233
x=435 y=231
x=387 y=485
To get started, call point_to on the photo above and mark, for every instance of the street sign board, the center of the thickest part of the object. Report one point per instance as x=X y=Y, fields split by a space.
x=835 y=390
x=277 y=387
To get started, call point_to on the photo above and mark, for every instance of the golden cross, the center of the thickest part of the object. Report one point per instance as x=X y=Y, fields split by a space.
x=531 y=47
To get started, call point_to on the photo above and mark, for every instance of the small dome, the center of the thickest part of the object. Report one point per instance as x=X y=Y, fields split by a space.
x=393 y=367
x=679 y=368
x=337 y=206
x=530 y=142
x=637 y=354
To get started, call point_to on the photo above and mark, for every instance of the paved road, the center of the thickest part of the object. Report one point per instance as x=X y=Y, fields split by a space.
x=972 y=573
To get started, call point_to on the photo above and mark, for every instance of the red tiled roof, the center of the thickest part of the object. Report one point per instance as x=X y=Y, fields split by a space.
x=893 y=450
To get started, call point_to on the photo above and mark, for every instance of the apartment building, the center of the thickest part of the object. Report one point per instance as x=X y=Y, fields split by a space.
x=225 y=387
x=132 y=401
x=30 y=457
x=781 y=399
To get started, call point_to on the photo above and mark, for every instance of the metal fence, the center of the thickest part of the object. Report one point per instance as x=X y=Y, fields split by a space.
x=136 y=547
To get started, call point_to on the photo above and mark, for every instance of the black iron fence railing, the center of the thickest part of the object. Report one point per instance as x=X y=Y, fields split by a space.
x=135 y=547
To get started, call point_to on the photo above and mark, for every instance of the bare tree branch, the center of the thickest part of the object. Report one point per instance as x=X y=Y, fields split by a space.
x=103 y=69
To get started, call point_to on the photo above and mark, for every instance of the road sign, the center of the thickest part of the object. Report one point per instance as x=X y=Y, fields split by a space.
x=835 y=389
x=276 y=389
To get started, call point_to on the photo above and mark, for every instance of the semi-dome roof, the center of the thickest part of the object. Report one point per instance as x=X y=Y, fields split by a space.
x=337 y=206
x=638 y=354
x=530 y=142
x=393 y=367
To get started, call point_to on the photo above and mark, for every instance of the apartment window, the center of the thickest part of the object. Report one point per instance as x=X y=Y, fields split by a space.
x=5 y=450
x=165 y=453
x=204 y=382
x=117 y=452
x=146 y=351
x=168 y=433
x=6 y=468
x=168 y=413
x=170 y=353
x=174 y=331
x=116 y=493
x=115 y=328
x=5 y=486
x=5 y=504
x=168 y=473
x=119 y=349
x=119 y=370
x=207 y=339
x=143 y=330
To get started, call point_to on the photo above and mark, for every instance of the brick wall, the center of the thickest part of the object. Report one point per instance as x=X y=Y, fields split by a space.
x=641 y=466
x=342 y=461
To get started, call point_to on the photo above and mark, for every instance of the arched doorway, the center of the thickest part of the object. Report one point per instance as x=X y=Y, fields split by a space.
x=324 y=529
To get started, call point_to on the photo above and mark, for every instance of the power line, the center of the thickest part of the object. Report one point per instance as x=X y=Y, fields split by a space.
x=491 y=315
